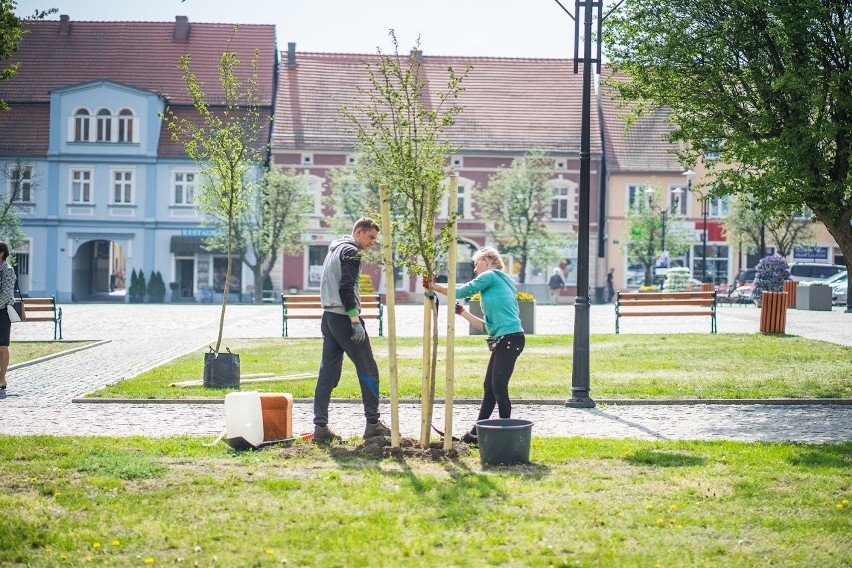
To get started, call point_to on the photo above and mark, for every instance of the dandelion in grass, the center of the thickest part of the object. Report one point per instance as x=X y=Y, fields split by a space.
x=63 y=556
x=660 y=521
x=671 y=521
x=149 y=560
x=116 y=542
x=673 y=507
x=648 y=506
x=57 y=494
x=268 y=551
x=96 y=545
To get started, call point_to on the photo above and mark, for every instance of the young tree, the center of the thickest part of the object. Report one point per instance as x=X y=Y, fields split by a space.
x=649 y=234
x=227 y=142
x=767 y=83
x=400 y=130
x=274 y=224
x=517 y=201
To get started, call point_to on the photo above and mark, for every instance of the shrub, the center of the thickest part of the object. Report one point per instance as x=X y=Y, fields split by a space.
x=771 y=272
x=156 y=287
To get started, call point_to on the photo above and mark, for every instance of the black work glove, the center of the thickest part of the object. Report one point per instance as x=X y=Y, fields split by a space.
x=359 y=334
x=459 y=308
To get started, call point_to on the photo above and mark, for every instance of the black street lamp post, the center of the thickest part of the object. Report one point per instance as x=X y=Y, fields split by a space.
x=580 y=376
x=705 y=209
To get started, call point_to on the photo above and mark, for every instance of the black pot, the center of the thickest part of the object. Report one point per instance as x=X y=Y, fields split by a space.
x=221 y=370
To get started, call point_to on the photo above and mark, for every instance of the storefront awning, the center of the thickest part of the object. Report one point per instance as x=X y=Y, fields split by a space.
x=190 y=246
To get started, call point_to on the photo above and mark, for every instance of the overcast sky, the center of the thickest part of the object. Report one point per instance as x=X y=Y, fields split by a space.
x=504 y=28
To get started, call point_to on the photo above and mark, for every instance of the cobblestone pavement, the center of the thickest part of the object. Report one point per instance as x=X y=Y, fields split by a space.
x=39 y=396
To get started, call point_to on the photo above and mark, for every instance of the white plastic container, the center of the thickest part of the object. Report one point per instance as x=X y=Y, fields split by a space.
x=243 y=419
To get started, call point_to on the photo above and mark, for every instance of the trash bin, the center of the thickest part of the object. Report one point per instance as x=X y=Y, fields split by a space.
x=504 y=441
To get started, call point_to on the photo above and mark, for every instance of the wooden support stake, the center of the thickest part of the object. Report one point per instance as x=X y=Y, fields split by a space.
x=451 y=315
x=390 y=302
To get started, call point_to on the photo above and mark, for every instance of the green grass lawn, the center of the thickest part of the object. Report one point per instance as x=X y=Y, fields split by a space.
x=622 y=366
x=163 y=502
x=23 y=351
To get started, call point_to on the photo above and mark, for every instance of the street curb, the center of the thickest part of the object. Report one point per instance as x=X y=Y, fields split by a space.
x=518 y=402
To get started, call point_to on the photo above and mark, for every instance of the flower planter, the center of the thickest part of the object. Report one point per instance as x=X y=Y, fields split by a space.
x=773 y=312
x=814 y=298
x=527 y=312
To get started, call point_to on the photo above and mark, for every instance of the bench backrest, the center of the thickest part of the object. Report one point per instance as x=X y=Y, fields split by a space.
x=666 y=298
x=313 y=301
x=39 y=304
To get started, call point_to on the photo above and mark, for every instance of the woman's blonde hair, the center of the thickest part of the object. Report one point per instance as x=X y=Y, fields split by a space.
x=491 y=255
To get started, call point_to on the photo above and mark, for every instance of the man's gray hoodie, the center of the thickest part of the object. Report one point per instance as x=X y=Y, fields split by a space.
x=341 y=273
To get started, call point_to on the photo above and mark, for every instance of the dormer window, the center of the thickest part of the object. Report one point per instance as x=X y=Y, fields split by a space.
x=81 y=125
x=104 y=125
x=125 y=125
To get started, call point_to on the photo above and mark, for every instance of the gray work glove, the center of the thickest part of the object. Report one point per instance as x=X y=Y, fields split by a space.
x=359 y=334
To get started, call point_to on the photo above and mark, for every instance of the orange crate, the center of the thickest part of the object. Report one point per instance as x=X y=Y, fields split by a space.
x=277 y=410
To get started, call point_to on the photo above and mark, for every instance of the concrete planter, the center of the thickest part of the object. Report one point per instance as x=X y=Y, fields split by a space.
x=814 y=298
x=527 y=316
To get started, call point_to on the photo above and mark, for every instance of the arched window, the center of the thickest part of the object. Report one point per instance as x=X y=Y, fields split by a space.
x=125 y=125
x=104 y=125
x=81 y=125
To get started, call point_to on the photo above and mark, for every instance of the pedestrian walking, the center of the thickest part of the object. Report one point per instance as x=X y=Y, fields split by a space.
x=610 y=287
x=7 y=289
x=343 y=331
x=555 y=284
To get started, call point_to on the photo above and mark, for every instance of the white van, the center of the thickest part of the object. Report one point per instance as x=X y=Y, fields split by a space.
x=804 y=271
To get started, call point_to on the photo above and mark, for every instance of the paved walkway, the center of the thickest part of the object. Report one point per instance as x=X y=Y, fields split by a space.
x=39 y=397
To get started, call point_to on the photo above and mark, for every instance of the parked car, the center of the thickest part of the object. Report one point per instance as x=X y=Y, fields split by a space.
x=805 y=271
x=839 y=287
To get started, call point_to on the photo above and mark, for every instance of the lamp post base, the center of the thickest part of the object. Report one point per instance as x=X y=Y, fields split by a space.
x=580 y=401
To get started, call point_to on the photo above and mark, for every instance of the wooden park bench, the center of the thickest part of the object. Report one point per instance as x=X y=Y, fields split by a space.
x=651 y=304
x=44 y=309
x=304 y=306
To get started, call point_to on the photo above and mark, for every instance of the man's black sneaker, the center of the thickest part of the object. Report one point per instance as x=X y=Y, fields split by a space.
x=376 y=430
x=324 y=436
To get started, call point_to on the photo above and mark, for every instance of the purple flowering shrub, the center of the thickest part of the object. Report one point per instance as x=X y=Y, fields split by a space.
x=771 y=272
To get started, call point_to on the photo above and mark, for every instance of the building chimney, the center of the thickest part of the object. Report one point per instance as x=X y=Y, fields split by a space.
x=64 y=25
x=291 y=54
x=181 y=32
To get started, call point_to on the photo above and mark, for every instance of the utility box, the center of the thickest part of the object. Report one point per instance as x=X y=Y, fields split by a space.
x=814 y=297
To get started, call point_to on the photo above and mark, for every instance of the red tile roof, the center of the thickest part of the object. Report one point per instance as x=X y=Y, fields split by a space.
x=143 y=54
x=509 y=104
x=24 y=130
x=642 y=148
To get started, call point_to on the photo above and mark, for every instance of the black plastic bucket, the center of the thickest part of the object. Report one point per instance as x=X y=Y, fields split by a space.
x=504 y=441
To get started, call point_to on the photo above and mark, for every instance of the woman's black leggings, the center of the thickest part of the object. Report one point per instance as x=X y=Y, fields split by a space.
x=500 y=368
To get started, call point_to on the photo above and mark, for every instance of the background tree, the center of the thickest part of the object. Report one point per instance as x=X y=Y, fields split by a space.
x=769 y=80
x=273 y=225
x=401 y=135
x=517 y=201
x=644 y=227
x=226 y=144
x=744 y=224
x=349 y=198
x=20 y=177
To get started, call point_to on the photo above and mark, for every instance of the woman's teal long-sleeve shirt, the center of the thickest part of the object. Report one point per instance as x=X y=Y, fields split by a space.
x=499 y=304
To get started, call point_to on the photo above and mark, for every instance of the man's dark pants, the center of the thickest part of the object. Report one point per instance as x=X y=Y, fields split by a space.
x=336 y=340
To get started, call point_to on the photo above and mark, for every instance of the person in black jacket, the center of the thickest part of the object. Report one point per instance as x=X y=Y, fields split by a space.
x=555 y=284
x=343 y=332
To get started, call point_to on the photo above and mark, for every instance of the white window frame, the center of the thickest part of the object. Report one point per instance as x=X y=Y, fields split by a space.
x=126 y=186
x=677 y=201
x=25 y=195
x=187 y=198
x=81 y=125
x=567 y=198
x=718 y=207
x=86 y=180
x=103 y=125
x=126 y=126
x=314 y=184
x=633 y=190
